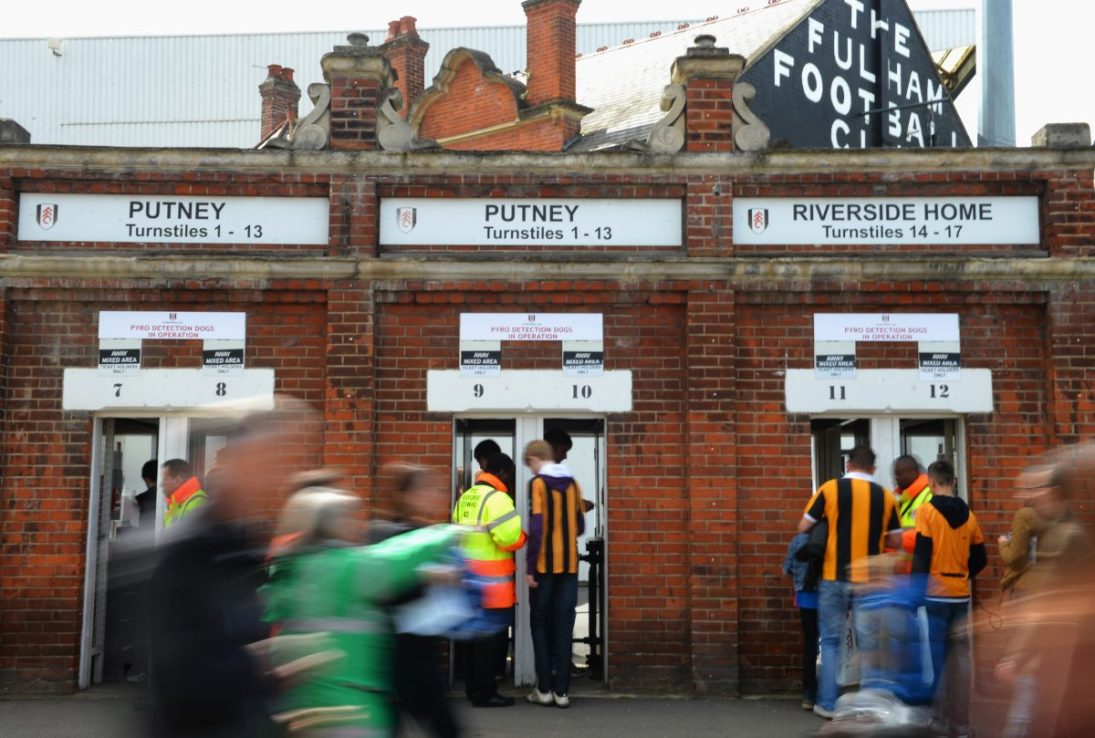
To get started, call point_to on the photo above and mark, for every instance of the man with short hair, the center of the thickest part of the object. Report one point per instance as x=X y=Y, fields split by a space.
x=556 y=519
x=560 y=442
x=950 y=551
x=913 y=488
x=862 y=518
x=483 y=451
x=146 y=501
x=183 y=491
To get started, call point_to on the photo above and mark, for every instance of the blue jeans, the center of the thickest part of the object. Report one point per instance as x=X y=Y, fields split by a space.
x=834 y=603
x=552 y=619
x=950 y=649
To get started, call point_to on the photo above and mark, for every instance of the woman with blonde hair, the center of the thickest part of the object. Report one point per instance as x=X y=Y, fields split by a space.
x=322 y=581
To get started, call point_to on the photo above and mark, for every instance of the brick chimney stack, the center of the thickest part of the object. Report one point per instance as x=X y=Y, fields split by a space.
x=552 y=43
x=406 y=52
x=280 y=96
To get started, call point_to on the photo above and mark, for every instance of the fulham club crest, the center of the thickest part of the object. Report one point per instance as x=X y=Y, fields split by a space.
x=407 y=217
x=758 y=220
x=47 y=215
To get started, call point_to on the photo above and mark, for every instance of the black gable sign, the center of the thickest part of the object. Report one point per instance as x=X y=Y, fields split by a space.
x=847 y=58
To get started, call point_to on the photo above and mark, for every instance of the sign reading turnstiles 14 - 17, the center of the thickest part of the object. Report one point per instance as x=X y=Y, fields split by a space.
x=782 y=221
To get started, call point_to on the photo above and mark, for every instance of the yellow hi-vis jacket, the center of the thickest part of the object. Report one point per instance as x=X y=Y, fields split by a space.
x=489 y=548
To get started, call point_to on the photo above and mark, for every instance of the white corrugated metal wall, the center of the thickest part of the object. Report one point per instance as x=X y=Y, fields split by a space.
x=202 y=91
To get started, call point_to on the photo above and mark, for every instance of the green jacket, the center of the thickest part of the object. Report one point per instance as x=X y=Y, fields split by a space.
x=338 y=591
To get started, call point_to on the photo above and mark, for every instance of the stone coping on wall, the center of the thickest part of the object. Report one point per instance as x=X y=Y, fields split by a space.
x=759 y=270
x=901 y=163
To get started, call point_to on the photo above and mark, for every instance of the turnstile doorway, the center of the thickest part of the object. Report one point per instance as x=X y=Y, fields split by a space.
x=586 y=460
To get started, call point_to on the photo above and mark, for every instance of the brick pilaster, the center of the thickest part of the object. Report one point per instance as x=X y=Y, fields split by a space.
x=354 y=229
x=1071 y=313
x=712 y=492
x=349 y=397
x=8 y=225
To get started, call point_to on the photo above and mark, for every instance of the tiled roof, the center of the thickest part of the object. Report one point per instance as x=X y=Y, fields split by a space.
x=624 y=84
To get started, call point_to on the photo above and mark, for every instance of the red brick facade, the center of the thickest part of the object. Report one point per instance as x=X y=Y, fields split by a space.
x=707 y=474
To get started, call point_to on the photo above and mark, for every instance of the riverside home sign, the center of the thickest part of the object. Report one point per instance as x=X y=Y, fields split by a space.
x=860 y=73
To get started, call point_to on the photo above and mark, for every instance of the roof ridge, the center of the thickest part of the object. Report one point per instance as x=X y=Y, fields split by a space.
x=687 y=26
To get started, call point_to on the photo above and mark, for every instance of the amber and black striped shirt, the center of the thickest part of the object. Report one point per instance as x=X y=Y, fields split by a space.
x=860 y=514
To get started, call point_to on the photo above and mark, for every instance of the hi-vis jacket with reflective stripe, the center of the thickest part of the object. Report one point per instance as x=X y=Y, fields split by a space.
x=183 y=501
x=489 y=549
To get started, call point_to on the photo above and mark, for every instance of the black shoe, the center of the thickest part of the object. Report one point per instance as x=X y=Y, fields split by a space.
x=495 y=700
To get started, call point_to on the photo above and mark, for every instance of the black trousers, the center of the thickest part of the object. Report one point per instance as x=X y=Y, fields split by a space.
x=809 y=652
x=483 y=656
x=420 y=688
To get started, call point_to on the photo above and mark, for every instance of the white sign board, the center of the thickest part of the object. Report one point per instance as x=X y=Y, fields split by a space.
x=531 y=327
x=888 y=391
x=870 y=327
x=168 y=389
x=172 y=326
x=411 y=221
x=528 y=391
x=54 y=216
x=779 y=221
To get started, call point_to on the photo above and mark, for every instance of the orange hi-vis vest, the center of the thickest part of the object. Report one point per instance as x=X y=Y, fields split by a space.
x=487 y=508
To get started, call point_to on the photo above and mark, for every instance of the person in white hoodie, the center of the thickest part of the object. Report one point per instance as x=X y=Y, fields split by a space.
x=556 y=519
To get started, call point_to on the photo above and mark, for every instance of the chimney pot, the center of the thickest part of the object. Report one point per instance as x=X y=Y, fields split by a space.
x=287 y=74
x=393 y=30
x=273 y=70
x=407 y=25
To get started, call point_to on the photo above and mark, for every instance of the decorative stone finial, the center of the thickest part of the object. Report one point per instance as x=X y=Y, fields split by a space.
x=360 y=40
x=705 y=41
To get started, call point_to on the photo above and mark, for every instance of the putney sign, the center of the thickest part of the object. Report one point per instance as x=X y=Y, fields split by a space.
x=545 y=222
x=173 y=219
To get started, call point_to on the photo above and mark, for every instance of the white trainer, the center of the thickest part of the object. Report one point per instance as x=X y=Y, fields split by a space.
x=537 y=697
x=561 y=700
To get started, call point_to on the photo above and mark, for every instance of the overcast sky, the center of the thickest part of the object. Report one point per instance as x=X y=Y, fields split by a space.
x=1053 y=38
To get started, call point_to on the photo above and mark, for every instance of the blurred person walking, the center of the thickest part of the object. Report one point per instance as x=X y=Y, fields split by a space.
x=420 y=689
x=862 y=518
x=556 y=519
x=204 y=602
x=1041 y=661
x=949 y=553
x=322 y=583
x=488 y=507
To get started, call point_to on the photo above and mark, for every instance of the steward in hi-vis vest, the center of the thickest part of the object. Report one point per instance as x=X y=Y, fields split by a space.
x=184 y=491
x=487 y=509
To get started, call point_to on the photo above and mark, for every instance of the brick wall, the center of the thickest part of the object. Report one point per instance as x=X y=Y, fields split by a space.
x=707 y=476
x=1001 y=331
x=44 y=514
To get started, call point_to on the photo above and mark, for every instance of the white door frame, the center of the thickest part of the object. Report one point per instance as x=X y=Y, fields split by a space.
x=172 y=440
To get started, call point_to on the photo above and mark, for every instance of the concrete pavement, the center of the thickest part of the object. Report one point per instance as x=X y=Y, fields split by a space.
x=110 y=713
